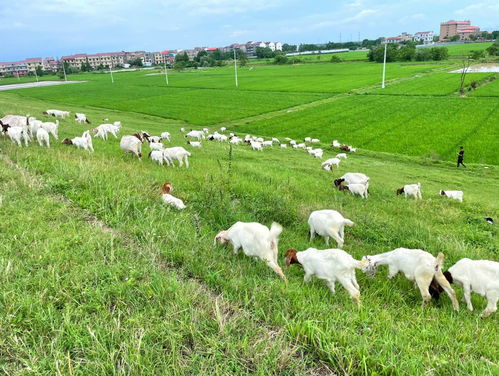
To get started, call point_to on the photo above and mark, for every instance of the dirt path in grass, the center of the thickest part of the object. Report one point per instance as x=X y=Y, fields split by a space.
x=224 y=310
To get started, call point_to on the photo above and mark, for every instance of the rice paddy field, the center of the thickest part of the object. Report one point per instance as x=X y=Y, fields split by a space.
x=100 y=277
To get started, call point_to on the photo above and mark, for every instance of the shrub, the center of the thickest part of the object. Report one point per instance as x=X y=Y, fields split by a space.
x=335 y=59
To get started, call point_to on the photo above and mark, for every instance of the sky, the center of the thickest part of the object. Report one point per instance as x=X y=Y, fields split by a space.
x=42 y=28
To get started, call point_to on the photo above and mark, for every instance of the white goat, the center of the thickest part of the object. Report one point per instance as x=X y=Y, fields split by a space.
x=103 y=130
x=235 y=140
x=84 y=142
x=341 y=155
x=331 y=265
x=284 y=146
x=165 y=136
x=317 y=153
x=411 y=190
x=336 y=144
x=157 y=156
x=315 y=140
x=223 y=129
x=195 y=134
x=353 y=178
x=178 y=153
x=52 y=128
x=169 y=199
x=43 y=137
x=132 y=144
x=81 y=118
x=417 y=265
x=328 y=163
x=194 y=144
x=276 y=140
x=456 y=195
x=57 y=113
x=307 y=139
x=256 y=146
x=479 y=276
x=355 y=189
x=328 y=223
x=156 y=146
x=16 y=134
x=256 y=240
x=267 y=143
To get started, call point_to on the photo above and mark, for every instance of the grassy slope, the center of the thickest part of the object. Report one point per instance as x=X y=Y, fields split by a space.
x=77 y=299
x=391 y=333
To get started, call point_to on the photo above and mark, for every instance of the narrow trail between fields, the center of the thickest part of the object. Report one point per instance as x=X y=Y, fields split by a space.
x=225 y=310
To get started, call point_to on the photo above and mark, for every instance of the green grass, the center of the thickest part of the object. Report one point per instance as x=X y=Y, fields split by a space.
x=464 y=49
x=491 y=89
x=26 y=79
x=390 y=334
x=440 y=84
x=412 y=125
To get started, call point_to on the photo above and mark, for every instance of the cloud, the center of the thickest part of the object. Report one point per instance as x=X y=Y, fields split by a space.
x=239 y=33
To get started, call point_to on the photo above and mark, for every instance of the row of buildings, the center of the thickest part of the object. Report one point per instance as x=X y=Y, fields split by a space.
x=122 y=58
x=449 y=29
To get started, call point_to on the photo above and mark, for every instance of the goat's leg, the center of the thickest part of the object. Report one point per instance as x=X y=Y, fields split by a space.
x=467 y=295
x=312 y=233
x=336 y=237
x=276 y=268
x=492 y=298
x=307 y=277
x=186 y=162
x=352 y=291
x=332 y=286
x=392 y=271
x=423 y=283
x=442 y=281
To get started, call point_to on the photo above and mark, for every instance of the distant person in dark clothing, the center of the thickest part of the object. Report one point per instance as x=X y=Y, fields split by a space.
x=460 y=157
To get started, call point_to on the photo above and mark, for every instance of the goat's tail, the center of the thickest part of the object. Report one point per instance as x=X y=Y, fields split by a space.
x=439 y=264
x=348 y=222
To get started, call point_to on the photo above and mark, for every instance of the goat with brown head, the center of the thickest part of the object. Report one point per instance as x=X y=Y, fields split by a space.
x=291 y=257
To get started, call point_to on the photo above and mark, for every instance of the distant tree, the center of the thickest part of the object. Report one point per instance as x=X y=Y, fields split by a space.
x=335 y=59
x=217 y=54
x=439 y=53
x=473 y=37
x=454 y=38
x=288 y=47
x=182 y=58
x=406 y=53
x=308 y=47
x=377 y=53
x=137 y=62
x=494 y=49
x=477 y=54
x=242 y=60
x=436 y=38
x=86 y=67
x=280 y=59
x=179 y=65
x=264 y=53
x=423 y=54
x=464 y=70
x=101 y=67
x=39 y=70
x=200 y=55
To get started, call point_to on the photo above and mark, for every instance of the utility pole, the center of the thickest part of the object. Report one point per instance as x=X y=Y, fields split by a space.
x=384 y=68
x=166 y=72
x=111 y=71
x=64 y=70
x=235 y=67
x=36 y=75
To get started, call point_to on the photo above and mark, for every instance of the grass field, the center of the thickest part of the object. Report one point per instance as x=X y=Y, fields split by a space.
x=149 y=294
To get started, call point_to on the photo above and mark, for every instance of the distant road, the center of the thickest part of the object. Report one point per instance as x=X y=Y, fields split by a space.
x=36 y=84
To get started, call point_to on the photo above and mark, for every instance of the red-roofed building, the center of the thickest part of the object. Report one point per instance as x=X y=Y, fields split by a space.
x=393 y=40
x=462 y=28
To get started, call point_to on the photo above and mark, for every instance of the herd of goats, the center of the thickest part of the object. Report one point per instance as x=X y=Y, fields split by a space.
x=257 y=240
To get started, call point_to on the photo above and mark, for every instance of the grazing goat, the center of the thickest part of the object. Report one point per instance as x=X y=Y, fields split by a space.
x=335 y=144
x=15 y=121
x=156 y=156
x=194 y=144
x=456 y=195
x=57 y=113
x=34 y=124
x=169 y=199
x=84 y=142
x=52 y=128
x=267 y=143
x=81 y=118
x=479 y=276
x=345 y=148
x=307 y=139
x=165 y=136
x=276 y=140
x=355 y=189
x=16 y=134
x=341 y=155
x=331 y=265
x=317 y=153
x=43 y=137
x=284 y=146
x=103 y=130
x=315 y=140
x=155 y=139
x=223 y=129
x=132 y=144
x=353 y=178
x=328 y=223
x=178 y=153
x=256 y=146
x=156 y=146
x=195 y=134
x=417 y=265
x=256 y=240
x=235 y=140
x=328 y=163
x=411 y=190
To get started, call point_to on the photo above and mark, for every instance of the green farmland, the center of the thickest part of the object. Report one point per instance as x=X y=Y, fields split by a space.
x=100 y=277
